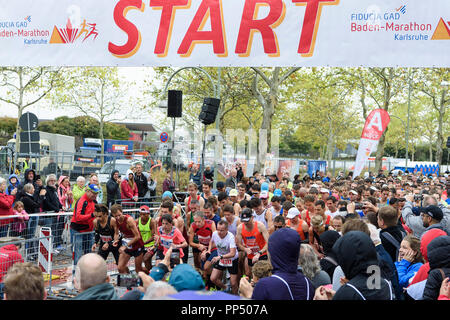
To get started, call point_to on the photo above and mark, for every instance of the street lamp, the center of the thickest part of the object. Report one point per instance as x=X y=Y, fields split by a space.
x=164 y=104
x=406 y=133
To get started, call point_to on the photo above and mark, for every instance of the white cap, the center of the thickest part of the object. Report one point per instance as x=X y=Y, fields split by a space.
x=315 y=186
x=373 y=188
x=264 y=194
x=292 y=213
x=353 y=191
x=324 y=190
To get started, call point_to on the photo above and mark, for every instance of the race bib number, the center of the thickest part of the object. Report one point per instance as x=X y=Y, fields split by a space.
x=166 y=243
x=204 y=240
x=254 y=250
x=105 y=238
x=226 y=262
x=125 y=243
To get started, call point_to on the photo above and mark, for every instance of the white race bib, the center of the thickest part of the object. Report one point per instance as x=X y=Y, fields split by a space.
x=226 y=262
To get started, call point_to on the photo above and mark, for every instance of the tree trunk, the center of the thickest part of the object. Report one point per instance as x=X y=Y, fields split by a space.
x=431 y=152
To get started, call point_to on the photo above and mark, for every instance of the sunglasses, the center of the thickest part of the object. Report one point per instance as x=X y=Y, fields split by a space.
x=278 y=227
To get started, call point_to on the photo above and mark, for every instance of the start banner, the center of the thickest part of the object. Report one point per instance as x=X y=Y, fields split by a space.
x=345 y=33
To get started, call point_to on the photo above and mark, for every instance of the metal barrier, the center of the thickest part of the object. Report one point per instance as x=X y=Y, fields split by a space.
x=49 y=242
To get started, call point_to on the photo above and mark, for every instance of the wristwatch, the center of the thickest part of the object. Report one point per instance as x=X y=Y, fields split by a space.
x=260 y=253
x=221 y=257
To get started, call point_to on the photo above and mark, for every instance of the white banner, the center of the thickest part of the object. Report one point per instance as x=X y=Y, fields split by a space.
x=225 y=33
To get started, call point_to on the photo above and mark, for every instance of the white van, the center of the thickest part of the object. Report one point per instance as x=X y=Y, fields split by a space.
x=122 y=165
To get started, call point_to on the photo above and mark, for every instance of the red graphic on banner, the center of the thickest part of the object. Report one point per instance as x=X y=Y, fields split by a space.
x=376 y=123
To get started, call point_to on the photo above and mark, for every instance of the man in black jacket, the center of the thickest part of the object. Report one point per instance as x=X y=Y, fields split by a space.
x=141 y=181
x=439 y=259
x=391 y=235
x=113 y=188
x=32 y=204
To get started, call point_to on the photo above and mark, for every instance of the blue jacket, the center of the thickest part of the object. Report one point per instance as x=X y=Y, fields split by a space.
x=406 y=271
x=10 y=185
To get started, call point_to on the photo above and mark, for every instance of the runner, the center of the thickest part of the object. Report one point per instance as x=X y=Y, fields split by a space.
x=167 y=237
x=132 y=244
x=310 y=209
x=107 y=236
x=294 y=222
x=252 y=237
x=190 y=205
x=227 y=258
x=147 y=229
x=231 y=218
x=260 y=214
x=200 y=233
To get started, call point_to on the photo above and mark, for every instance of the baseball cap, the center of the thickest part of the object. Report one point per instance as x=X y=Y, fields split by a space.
x=264 y=186
x=292 y=213
x=144 y=209
x=324 y=190
x=220 y=185
x=353 y=191
x=233 y=193
x=435 y=212
x=278 y=193
x=94 y=188
x=246 y=215
x=264 y=194
x=167 y=194
x=184 y=277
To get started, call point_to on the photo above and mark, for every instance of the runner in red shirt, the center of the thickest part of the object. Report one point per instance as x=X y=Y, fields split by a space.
x=132 y=244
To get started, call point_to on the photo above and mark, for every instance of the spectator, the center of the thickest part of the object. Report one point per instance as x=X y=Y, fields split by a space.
x=13 y=183
x=168 y=183
x=328 y=263
x=261 y=269
x=79 y=188
x=409 y=260
x=52 y=203
x=141 y=180
x=151 y=194
x=439 y=259
x=94 y=180
x=310 y=266
x=113 y=188
x=390 y=234
x=19 y=225
x=92 y=279
x=444 y=293
x=286 y=283
x=9 y=255
x=31 y=177
x=232 y=180
x=356 y=255
x=6 y=207
x=128 y=189
x=432 y=217
x=25 y=281
x=158 y=289
x=65 y=194
x=208 y=173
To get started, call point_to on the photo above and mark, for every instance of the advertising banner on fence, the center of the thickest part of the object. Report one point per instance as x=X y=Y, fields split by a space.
x=376 y=123
x=225 y=33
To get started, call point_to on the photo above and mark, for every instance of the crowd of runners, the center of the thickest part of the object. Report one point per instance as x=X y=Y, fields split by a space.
x=377 y=237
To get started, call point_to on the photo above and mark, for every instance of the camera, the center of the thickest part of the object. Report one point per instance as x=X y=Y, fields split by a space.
x=128 y=280
x=174 y=258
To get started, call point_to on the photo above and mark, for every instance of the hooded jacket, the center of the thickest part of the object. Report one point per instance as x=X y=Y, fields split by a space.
x=25 y=180
x=9 y=255
x=439 y=259
x=328 y=239
x=112 y=189
x=284 y=249
x=12 y=186
x=356 y=252
x=103 y=291
x=51 y=200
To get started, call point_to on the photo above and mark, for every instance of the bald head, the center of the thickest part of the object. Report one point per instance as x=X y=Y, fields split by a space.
x=91 y=270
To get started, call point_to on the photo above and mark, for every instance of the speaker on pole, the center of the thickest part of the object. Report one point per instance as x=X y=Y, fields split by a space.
x=175 y=104
x=209 y=111
x=448 y=142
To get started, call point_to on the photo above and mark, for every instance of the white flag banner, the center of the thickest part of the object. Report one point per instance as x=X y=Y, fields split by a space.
x=344 y=33
x=376 y=124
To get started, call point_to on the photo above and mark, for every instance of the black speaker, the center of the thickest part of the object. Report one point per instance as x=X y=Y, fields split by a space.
x=174 y=104
x=448 y=142
x=209 y=111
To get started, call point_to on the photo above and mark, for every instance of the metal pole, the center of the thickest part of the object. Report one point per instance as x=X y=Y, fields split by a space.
x=217 y=96
x=407 y=127
x=203 y=153
x=171 y=151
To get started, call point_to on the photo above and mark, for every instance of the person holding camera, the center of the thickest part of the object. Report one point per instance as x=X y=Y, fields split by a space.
x=113 y=188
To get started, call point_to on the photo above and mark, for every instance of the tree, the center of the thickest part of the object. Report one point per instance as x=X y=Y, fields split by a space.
x=97 y=93
x=430 y=83
x=25 y=87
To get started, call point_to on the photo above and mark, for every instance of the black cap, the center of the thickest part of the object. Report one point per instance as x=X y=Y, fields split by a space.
x=220 y=184
x=435 y=212
x=246 y=215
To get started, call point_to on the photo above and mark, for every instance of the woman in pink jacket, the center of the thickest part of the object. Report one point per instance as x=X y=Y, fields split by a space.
x=65 y=193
